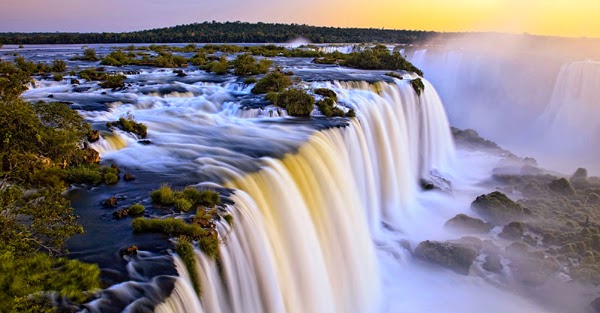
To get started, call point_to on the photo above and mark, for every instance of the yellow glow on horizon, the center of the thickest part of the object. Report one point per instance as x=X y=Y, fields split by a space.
x=580 y=18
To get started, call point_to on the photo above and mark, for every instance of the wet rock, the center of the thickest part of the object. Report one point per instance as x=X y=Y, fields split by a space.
x=562 y=187
x=513 y=231
x=111 y=202
x=91 y=156
x=492 y=264
x=180 y=73
x=426 y=185
x=133 y=250
x=129 y=177
x=50 y=96
x=145 y=142
x=74 y=81
x=121 y=214
x=457 y=258
x=81 y=89
x=468 y=224
x=497 y=208
x=93 y=136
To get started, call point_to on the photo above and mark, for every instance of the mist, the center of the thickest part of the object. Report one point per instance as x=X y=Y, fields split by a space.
x=536 y=96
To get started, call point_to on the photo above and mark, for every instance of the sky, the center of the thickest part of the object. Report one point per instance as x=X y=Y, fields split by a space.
x=572 y=18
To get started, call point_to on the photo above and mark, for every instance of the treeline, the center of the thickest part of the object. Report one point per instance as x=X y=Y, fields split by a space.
x=227 y=32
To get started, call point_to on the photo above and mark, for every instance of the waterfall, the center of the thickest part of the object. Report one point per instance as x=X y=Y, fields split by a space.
x=572 y=114
x=112 y=142
x=305 y=226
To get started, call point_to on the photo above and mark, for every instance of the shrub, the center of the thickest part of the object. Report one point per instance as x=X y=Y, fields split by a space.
x=117 y=58
x=129 y=125
x=327 y=93
x=351 y=113
x=136 y=209
x=182 y=204
x=245 y=64
x=114 y=81
x=220 y=68
x=89 y=54
x=84 y=175
x=199 y=59
x=111 y=179
x=250 y=80
x=185 y=250
x=272 y=82
x=417 y=85
x=379 y=58
x=229 y=219
x=59 y=66
x=192 y=194
x=164 y=195
x=58 y=77
x=326 y=106
x=209 y=198
x=91 y=74
x=208 y=241
x=296 y=101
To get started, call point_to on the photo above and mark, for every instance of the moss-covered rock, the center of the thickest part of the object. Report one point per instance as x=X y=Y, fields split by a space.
x=513 y=231
x=497 y=208
x=562 y=186
x=467 y=224
x=455 y=257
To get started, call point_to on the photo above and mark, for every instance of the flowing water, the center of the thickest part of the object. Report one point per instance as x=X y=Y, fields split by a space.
x=535 y=102
x=321 y=206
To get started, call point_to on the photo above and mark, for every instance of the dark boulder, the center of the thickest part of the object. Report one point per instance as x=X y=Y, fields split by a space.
x=111 y=202
x=497 y=208
x=129 y=177
x=123 y=213
x=455 y=257
x=468 y=224
x=133 y=250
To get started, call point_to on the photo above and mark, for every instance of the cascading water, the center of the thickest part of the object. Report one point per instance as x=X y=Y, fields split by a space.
x=302 y=240
x=572 y=114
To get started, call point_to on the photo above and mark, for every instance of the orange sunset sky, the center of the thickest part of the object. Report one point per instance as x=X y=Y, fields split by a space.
x=574 y=18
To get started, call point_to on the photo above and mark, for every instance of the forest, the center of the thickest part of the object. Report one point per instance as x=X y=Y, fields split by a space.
x=227 y=32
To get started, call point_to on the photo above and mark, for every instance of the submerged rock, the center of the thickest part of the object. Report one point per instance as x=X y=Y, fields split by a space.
x=468 y=224
x=121 y=214
x=110 y=202
x=129 y=177
x=455 y=257
x=497 y=208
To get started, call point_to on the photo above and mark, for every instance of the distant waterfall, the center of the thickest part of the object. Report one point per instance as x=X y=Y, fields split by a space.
x=574 y=108
x=302 y=239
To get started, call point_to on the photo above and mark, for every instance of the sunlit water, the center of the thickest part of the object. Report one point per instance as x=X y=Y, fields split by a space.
x=321 y=206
